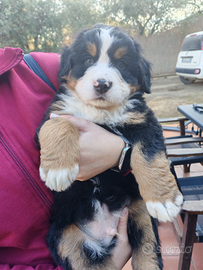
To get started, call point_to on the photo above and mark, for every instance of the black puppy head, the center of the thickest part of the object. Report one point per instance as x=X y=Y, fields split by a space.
x=105 y=66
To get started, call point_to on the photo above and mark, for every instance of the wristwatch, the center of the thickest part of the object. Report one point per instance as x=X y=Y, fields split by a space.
x=124 y=161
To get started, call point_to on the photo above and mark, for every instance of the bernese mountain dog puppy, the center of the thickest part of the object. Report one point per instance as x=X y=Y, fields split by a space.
x=103 y=78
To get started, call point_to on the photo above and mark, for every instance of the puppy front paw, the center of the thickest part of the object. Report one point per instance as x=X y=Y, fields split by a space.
x=60 y=152
x=157 y=185
x=58 y=180
x=165 y=210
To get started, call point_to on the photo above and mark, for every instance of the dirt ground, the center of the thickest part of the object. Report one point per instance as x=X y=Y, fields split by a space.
x=167 y=93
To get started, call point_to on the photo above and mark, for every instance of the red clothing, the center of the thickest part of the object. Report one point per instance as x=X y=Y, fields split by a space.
x=25 y=202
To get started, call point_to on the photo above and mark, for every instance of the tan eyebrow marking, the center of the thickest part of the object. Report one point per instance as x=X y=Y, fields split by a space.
x=92 y=49
x=120 y=52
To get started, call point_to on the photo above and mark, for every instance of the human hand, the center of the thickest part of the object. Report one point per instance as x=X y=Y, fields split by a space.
x=122 y=251
x=99 y=148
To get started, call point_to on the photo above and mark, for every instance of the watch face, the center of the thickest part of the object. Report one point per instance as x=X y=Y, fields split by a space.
x=126 y=159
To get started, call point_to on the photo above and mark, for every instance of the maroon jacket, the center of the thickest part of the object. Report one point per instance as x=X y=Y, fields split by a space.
x=25 y=202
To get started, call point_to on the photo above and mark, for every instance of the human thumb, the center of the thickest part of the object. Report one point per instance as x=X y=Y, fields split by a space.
x=123 y=221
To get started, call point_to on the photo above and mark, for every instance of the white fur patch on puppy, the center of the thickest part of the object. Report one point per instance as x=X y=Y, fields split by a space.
x=165 y=212
x=59 y=180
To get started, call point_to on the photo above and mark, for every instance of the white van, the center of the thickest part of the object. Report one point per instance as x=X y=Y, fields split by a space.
x=189 y=65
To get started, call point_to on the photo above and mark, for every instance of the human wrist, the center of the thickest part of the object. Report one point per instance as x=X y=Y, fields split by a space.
x=119 y=146
x=123 y=162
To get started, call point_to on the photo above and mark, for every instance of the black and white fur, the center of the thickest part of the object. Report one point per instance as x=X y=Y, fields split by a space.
x=103 y=77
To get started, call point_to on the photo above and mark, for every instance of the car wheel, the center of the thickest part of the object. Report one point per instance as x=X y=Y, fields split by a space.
x=185 y=80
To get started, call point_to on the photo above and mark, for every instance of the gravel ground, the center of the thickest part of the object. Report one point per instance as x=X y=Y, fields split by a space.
x=167 y=93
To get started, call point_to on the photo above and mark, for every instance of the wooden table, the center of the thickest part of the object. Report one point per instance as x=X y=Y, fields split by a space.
x=191 y=208
x=192 y=114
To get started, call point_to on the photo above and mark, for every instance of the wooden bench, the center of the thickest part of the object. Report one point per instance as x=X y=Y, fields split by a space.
x=192 y=218
x=183 y=150
x=181 y=120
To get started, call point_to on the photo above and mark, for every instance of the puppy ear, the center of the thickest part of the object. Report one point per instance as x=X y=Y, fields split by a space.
x=145 y=67
x=65 y=63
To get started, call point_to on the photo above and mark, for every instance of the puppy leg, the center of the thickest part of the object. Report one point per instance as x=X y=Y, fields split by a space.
x=145 y=244
x=72 y=253
x=157 y=185
x=59 y=142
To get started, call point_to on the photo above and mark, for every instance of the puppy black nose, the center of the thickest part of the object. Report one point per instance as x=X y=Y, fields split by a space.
x=102 y=86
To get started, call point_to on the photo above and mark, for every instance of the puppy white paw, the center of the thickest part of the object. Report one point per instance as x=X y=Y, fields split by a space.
x=165 y=211
x=59 y=180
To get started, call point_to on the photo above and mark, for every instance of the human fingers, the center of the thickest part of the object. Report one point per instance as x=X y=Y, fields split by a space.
x=122 y=225
x=122 y=251
x=99 y=148
x=81 y=123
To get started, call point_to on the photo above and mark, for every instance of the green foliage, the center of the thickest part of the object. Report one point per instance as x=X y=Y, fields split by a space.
x=12 y=23
x=143 y=17
x=42 y=25
x=29 y=24
x=79 y=14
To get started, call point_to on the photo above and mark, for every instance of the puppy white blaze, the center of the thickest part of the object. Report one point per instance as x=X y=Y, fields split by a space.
x=106 y=40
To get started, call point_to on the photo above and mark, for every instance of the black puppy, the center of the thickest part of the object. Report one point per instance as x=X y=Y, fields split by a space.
x=103 y=76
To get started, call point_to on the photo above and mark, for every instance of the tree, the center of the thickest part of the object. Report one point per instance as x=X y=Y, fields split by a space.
x=193 y=7
x=79 y=14
x=31 y=25
x=12 y=22
x=42 y=25
x=143 y=17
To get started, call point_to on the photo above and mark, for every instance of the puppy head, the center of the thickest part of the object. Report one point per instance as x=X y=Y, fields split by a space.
x=104 y=66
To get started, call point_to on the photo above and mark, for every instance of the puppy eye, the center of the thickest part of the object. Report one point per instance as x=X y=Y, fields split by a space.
x=121 y=64
x=89 y=61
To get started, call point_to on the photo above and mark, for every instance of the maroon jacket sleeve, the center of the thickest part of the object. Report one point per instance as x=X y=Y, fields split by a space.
x=25 y=202
x=25 y=267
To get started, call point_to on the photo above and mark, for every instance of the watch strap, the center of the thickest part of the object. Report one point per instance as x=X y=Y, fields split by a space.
x=124 y=161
